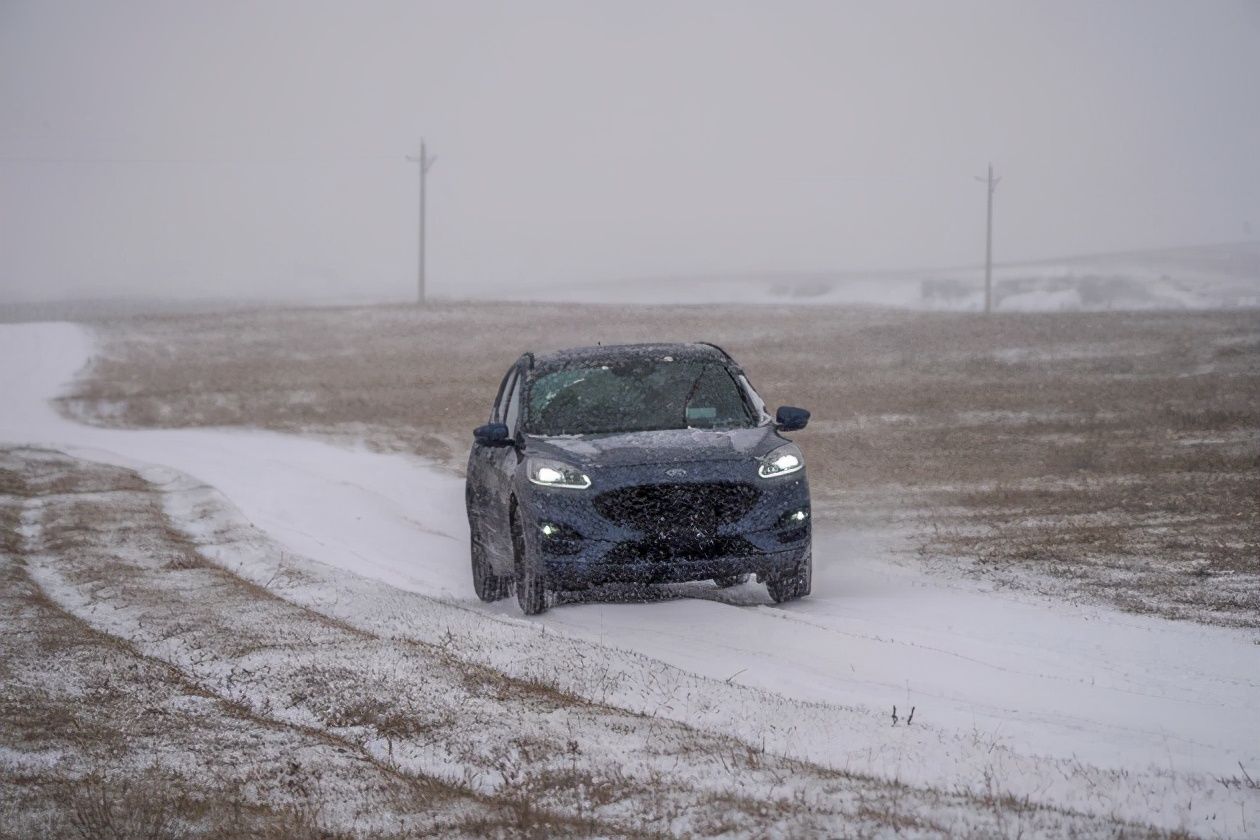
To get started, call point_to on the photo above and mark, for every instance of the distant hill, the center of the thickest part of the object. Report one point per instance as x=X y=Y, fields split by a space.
x=1201 y=277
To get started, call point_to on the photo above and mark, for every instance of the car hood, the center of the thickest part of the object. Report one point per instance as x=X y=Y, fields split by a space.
x=666 y=446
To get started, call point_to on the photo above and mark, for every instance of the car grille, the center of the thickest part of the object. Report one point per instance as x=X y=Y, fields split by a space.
x=665 y=550
x=696 y=509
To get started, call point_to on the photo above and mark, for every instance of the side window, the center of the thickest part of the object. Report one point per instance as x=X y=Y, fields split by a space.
x=513 y=411
x=505 y=391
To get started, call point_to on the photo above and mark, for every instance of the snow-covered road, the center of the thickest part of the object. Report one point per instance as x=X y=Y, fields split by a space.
x=1044 y=679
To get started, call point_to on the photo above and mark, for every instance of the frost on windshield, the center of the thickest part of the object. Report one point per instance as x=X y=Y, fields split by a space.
x=637 y=395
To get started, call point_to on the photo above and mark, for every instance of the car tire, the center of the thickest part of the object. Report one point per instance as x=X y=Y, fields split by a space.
x=531 y=588
x=489 y=586
x=733 y=580
x=795 y=585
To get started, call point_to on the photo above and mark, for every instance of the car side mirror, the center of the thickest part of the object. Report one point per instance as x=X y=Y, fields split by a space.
x=492 y=434
x=790 y=418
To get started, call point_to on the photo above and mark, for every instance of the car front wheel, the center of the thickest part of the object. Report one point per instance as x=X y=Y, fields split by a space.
x=489 y=586
x=795 y=584
x=531 y=589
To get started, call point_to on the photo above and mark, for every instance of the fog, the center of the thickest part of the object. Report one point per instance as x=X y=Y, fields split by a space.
x=240 y=149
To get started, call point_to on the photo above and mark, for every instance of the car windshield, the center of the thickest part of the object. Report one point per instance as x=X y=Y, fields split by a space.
x=635 y=396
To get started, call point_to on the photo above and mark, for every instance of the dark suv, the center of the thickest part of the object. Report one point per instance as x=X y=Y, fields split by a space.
x=642 y=463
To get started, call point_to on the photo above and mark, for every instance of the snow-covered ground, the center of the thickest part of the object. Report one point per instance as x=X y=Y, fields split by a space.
x=1079 y=706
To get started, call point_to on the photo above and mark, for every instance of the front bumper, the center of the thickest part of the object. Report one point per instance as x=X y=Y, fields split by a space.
x=721 y=521
x=568 y=575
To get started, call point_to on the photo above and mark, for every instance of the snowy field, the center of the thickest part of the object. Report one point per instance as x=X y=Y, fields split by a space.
x=1030 y=715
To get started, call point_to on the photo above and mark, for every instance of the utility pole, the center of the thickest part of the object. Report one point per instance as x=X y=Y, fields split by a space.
x=992 y=183
x=426 y=162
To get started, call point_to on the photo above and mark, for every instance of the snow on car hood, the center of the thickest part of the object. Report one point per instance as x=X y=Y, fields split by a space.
x=665 y=446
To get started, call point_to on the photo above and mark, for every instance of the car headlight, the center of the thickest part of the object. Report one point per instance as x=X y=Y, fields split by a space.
x=556 y=474
x=782 y=461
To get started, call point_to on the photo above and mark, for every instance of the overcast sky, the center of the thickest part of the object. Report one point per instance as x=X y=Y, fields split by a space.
x=259 y=148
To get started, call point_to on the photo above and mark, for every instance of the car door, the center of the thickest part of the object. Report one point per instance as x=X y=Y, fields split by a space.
x=504 y=460
x=491 y=469
x=481 y=483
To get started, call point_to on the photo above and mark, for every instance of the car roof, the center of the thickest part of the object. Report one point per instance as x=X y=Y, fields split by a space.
x=678 y=351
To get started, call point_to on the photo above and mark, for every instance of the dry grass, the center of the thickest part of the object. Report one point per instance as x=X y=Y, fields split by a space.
x=101 y=741
x=1061 y=444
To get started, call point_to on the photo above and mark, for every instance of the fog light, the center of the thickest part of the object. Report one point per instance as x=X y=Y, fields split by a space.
x=559 y=539
x=794 y=518
x=554 y=531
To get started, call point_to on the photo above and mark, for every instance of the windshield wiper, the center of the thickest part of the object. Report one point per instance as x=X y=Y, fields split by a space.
x=695 y=386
